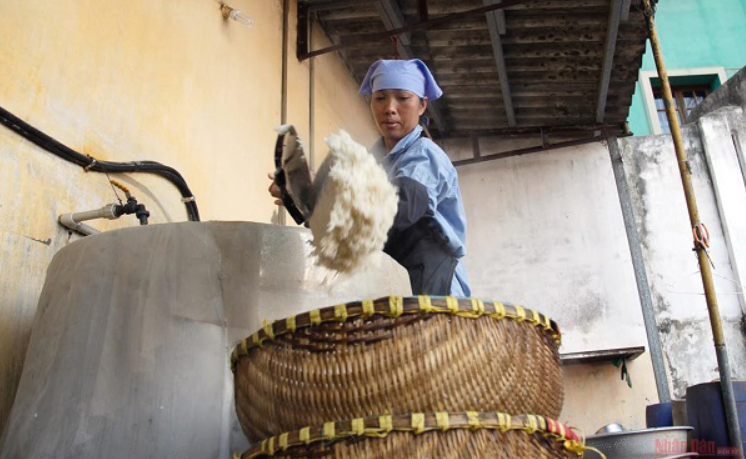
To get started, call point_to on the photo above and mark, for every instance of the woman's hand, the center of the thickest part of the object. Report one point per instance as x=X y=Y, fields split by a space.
x=274 y=190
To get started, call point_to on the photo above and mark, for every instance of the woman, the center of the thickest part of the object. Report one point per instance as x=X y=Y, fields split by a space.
x=429 y=230
x=429 y=233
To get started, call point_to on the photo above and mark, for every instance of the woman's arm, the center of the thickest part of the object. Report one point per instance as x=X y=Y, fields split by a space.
x=413 y=202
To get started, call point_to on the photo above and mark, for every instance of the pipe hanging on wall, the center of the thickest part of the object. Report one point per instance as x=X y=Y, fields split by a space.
x=281 y=215
x=74 y=220
x=89 y=163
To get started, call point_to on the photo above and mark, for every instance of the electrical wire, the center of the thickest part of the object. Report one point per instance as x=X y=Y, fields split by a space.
x=89 y=163
x=112 y=188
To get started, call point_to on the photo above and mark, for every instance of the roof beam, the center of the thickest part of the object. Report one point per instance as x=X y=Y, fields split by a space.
x=615 y=16
x=525 y=151
x=423 y=10
x=410 y=28
x=393 y=18
x=324 y=5
x=496 y=22
x=626 y=4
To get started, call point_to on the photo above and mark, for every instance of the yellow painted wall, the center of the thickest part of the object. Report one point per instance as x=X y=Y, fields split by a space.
x=333 y=94
x=164 y=80
x=595 y=395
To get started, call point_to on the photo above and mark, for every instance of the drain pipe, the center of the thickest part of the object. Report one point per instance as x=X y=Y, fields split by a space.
x=641 y=276
x=729 y=400
x=74 y=220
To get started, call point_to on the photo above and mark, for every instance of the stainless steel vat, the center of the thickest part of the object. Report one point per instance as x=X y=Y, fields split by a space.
x=129 y=354
x=662 y=442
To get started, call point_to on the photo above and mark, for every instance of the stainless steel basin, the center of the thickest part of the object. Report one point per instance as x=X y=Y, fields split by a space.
x=641 y=444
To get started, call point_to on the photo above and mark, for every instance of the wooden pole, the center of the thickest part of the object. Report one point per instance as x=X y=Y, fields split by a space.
x=729 y=402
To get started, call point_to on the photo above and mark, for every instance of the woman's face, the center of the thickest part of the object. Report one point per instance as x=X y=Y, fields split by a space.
x=396 y=112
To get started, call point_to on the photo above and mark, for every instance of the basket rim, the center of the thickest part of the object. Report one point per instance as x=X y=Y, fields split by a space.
x=396 y=306
x=418 y=423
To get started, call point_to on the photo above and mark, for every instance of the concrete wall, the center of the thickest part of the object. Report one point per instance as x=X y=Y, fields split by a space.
x=663 y=225
x=694 y=34
x=546 y=230
x=169 y=81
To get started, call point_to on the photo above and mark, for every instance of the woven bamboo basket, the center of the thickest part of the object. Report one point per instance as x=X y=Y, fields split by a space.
x=396 y=355
x=441 y=435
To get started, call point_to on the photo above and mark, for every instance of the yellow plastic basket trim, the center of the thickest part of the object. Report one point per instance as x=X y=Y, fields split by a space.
x=304 y=435
x=499 y=310
x=531 y=424
x=581 y=449
x=425 y=304
x=396 y=306
x=535 y=319
x=315 y=317
x=283 y=443
x=329 y=431
x=396 y=309
x=477 y=306
x=442 y=420
x=527 y=423
x=386 y=422
x=264 y=446
x=376 y=433
x=418 y=422
x=472 y=418
x=340 y=312
x=267 y=327
x=358 y=426
x=452 y=304
x=542 y=423
x=477 y=309
x=368 y=308
x=271 y=449
x=290 y=324
x=504 y=422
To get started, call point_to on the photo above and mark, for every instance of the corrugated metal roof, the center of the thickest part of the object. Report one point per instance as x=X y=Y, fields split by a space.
x=552 y=55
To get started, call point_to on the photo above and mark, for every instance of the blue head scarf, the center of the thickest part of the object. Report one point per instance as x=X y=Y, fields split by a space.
x=412 y=75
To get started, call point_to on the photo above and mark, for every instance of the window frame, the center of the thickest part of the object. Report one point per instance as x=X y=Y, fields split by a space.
x=647 y=76
x=678 y=95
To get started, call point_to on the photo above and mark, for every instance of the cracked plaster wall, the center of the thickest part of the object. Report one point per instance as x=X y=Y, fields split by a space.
x=664 y=228
x=546 y=230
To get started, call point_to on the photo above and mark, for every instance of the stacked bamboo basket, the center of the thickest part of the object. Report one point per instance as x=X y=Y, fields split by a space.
x=404 y=377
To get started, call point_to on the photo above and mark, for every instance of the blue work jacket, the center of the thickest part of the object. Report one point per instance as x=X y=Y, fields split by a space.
x=419 y=158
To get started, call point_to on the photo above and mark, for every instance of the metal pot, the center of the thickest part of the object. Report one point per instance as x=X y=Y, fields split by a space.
x=611 y=428
x=641 y=444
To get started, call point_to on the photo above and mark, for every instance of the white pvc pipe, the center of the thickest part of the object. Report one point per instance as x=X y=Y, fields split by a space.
x=74 y=220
